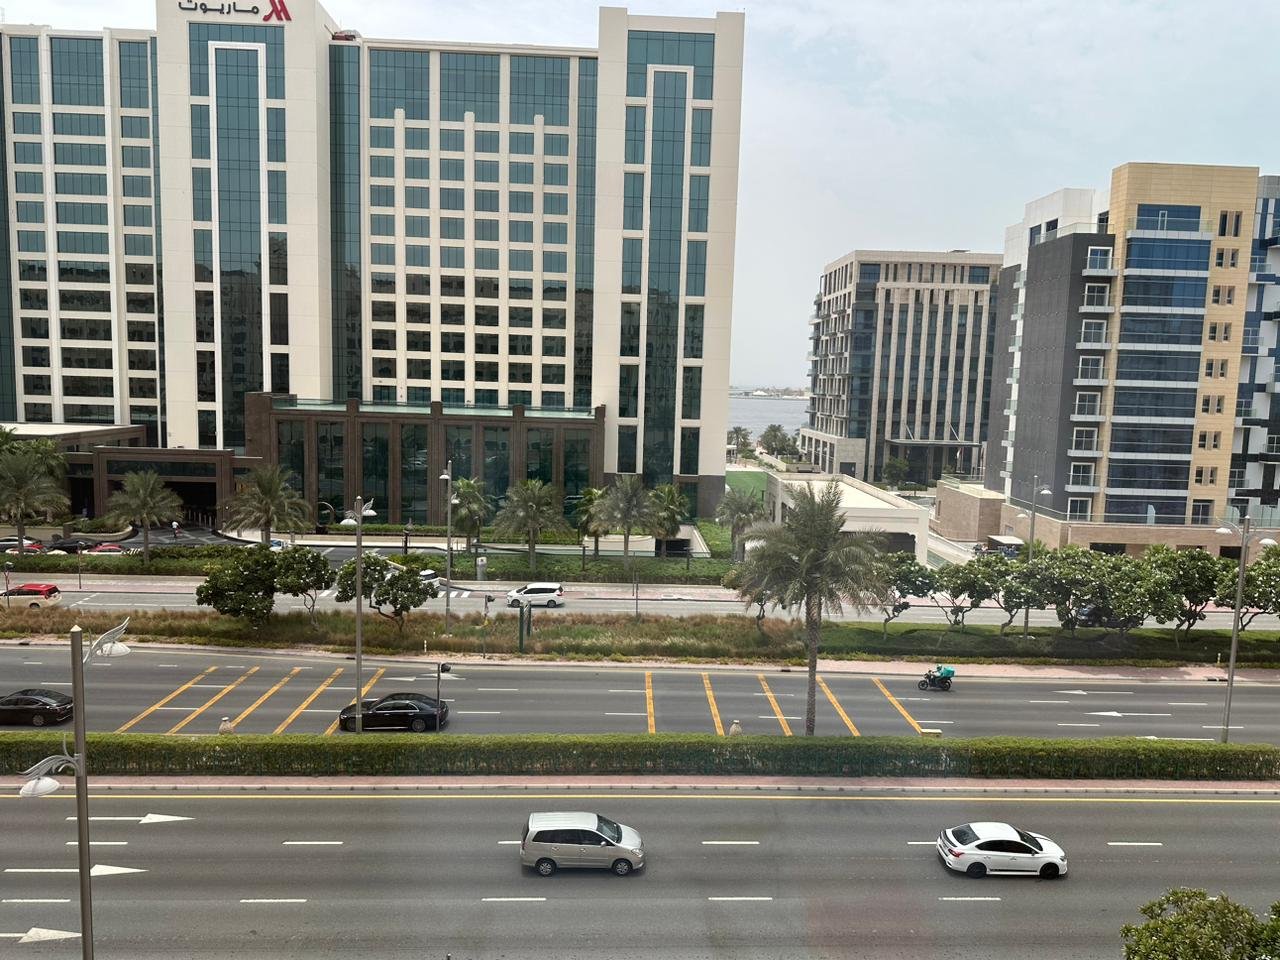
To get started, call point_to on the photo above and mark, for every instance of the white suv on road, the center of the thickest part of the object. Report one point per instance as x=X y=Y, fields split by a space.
x=537 y=595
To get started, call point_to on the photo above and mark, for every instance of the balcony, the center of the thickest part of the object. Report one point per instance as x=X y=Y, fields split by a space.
x=1084 y=451
x=1171 y=226
x=1093 y=343
x=1103 y=307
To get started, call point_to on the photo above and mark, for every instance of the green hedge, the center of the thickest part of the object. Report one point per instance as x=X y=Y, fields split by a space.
x=718 y=538
x=165 y=560
x=667 y=754
x=487 y=534
x=515 y=566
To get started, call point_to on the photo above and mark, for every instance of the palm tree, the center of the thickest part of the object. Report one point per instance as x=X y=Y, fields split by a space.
x=471 y=509
x=668 y=512
x=27 y=488
x=267 y=500
x=532 y=507
x=738 y=510
x=808 y=562
x=144 y=501
x=626 y=507
x=740 y=438
x=587 y=517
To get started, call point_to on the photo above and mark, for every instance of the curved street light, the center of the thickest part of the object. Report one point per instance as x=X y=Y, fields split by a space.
x=1227 y=529
x=1036 y=492
x=447 y=477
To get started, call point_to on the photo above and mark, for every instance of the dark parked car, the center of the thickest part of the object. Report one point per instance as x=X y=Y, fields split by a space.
x=1099 y=616
x=36 y=707
x=71 y=544
x=398 y=711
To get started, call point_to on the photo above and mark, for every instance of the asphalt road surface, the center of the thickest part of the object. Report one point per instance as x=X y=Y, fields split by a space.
x=730 y=874
x=187 y=692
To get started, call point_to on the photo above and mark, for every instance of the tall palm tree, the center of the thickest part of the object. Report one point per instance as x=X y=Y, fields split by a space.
x=532 y=508
x=740 y=438
x=668 y=512
x=144 y=501
x=587 y=517
x=627 y=507
x=808 y=562
x=267 y=499
x=27 y=489
x=471 y=509
x=738 y=510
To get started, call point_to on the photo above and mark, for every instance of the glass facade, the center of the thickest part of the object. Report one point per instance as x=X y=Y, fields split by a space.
x=345 y=214
x=291 y=451
x=331 y=464
x=540 y=87
x=375 y=466
x=415 y=483
x=77 y=71
x=497 y=460
x=8 y=372
x=539 y=455
x=398 y=79
x=470 y=83
x=667 y=48
x=458 y=445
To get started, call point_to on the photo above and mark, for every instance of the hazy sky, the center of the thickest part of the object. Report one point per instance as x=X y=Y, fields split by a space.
x=904 y=125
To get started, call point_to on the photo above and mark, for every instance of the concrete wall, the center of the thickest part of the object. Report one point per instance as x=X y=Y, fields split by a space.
x=964 y=513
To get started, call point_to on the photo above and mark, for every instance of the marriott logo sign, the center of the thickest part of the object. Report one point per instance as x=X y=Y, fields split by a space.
x=276 y=9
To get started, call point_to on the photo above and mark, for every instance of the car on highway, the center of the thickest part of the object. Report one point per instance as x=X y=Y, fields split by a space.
x=580 y=840
x=415 y=712
x=36 y=707
x=33 y=595
x=537 y=595
x=277 y=546
x=983 y=847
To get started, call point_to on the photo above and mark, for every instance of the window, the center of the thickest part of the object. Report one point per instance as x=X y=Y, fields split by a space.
x=1093 y=331
x=1201 y=512
x=417 y=138
x=383 y=168
x=1215 y=368
x=634 y=150
x=521 y=231
x=1090 y=368
x=1273 y=443
x=520 y=172
x=693 y=315
x=1229 y=222
x=1081 y=475
x=555 y=204
x=1206 y=476
x=1099 y=258
x=521 y=143
x=1211 y=403
x=1084 y=438
x=1088 y=404
x=1096 y=295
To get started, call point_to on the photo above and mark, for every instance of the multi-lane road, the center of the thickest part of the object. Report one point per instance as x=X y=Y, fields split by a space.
x=742 y=874
x=187 y=691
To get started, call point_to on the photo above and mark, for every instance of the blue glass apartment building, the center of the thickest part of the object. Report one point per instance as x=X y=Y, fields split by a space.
x=258 y=199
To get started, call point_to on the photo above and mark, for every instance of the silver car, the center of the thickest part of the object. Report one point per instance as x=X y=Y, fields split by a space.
x=586 y=840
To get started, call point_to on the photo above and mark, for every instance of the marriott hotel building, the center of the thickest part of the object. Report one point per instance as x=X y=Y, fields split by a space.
x=256 y=232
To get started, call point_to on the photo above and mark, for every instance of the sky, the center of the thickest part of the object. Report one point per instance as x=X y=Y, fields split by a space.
x=903 y=125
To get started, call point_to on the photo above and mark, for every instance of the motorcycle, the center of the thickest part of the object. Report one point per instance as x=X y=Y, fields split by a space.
x=937 y=679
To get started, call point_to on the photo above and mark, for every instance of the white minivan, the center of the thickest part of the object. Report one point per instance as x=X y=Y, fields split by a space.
x=537 y=595
x=586 y=840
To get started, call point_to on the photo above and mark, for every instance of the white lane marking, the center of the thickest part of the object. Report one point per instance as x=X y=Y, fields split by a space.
x=1218 y=726
x=1184 y=739
x=773 y=717
x=1079 y=724
x=312 y=843
x=1133 y=843
x=607 y=714
x=404 y=679
x=166 y=664
x=149 y=818
x=235 y=666
x=97 y=870
x=34 y=900
x=1048 y=701
x=281 y=900
x=327 y=550
x=731 y=843
x=214 y=686
x=486 y=712
x=626 y=691
x=916 y=699
x=39 y=934
x=736 y=899
x=188 y=709
x=1117 y=713
x=508 y=842
x=100 y=843
x=33 y=663
x=776 y=694
x=935 y=721
x=1083 y=693
x=513 y=899
x=970 y=899
x=318 y=710
x=1188 y=703
x=497 y=689
x=922 y=843
x=55 y=683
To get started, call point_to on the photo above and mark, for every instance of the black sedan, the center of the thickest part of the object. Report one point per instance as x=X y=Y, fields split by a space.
x=397 y=711
x=36 y=707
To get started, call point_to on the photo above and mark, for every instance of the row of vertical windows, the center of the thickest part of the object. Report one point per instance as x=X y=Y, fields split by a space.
x=669 y=48
x=540 y=87
x=629 y=340
x=77 y=70
x=469 y=83
x=200 y=35
x=135 y=84
x=79 y=125
x=400 y=79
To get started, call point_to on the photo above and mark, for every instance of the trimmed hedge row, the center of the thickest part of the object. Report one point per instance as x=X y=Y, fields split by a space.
x=667 y=754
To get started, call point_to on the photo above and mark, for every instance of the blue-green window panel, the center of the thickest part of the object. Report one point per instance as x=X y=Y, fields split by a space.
x=555 y=261
x=200 y=35
x=200 y=131
x=555 y=174
x=93 y=214
x=453 y=258
x=488 y=201
x=417 y=226
x=632 y=254
x=487 y=230
x=519 y=172
x=417 y=198
x=520 y=261
x=201 y=194
x=699 y=197
x=77 y=242
x=345 y=211
x=382 y=137
x=633 y=201
x=382 y=195
x=554 y=290
x=691 y=394
x=469 y=83
x=30 y=211
x=486 y=171
x=417 y=255
x=24 y=69
x=135 y=74
x=137 y=215
x=452 y=169
x=28 y=182
x=135 y=128
x=382 y=254
x=453 y=228
x=31 y=241
x=76 y=66
x=700 y=145
x=382 y=224
x=382 y=167
x=28 y=153
x=689 y=441
x=556 y=233
x=28 y=123
x=138 y=245
x=400 y=79
x=520 y=201
x=80 y=154
x=79 y=125
x=276 y=135
x=417 y=138
x=518 y=143
x=134 y=157
x=486 y=258
x=633 y=150
x=453 y=198
x=555 y=204
x=453 y=141
x=133 y=186
x=670 y=48
x=540 y=87
x=521 y=231
x=488 y=141
x=555 y=144
x=417 y=168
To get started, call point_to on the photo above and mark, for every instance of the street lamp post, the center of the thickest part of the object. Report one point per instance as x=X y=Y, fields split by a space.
x=447 y=477
x=408 y=528
x=1245 y=538
x=359 y=614
x=8 y=567
x=1036 y=493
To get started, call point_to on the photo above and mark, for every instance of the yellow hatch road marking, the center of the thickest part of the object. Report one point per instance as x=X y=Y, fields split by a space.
x=360 y=699
x=156 y=706
x=773 y=702
x=307 y=702
x=901 y=709
x=263 y=699
x=648 y=699
x=711 y=702
x=214 y=699
x=839 y=709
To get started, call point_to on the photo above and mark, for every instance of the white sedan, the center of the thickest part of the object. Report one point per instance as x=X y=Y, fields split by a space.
x=981 y=848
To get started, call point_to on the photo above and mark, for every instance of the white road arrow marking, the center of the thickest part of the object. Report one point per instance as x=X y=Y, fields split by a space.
x=38 y=934
x=149 y=818
x=1116 y=713
x=1083 y=693
x=1186 y=739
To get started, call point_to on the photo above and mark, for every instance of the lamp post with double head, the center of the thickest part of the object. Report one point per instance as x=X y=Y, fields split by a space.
x=361 y=511
x=1036 y=492
x=447 y=477
x=1246 y=538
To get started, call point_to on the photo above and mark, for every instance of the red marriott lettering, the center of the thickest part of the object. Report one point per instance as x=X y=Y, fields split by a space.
x=278 y=10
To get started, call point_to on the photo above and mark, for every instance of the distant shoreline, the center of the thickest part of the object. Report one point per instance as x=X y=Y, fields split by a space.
x=767 y=396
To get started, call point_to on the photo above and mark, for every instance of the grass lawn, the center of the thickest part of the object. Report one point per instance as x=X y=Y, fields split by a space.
x=752 y=481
